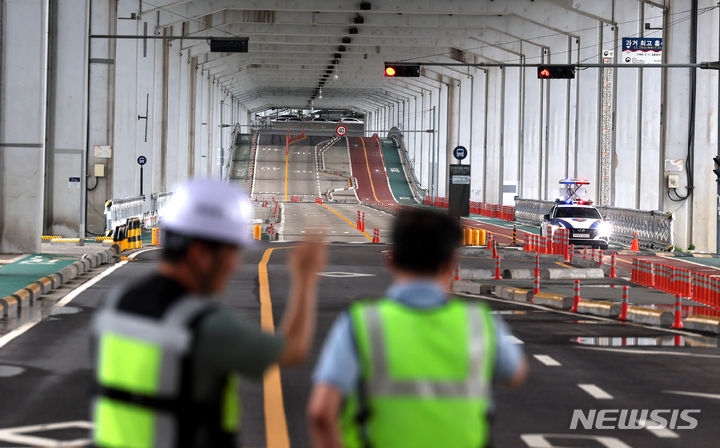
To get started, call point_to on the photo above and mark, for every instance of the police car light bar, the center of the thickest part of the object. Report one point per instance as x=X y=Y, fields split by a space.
x=574 y=182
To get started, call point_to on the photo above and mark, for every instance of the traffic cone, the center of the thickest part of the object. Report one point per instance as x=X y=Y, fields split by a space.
x=635 y=245
x=624 y=306
x=576 y=297
x=677 y=321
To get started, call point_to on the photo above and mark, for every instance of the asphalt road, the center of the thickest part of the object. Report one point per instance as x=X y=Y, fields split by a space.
x=45 y=376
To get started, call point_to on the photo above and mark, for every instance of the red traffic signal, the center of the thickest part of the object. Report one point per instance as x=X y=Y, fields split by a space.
x=556 y=72
x=402 y=69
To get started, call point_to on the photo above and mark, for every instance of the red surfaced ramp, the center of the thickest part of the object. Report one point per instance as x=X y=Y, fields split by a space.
x=368 y=168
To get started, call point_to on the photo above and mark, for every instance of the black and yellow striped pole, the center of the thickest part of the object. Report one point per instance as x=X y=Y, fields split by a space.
x=514 y=241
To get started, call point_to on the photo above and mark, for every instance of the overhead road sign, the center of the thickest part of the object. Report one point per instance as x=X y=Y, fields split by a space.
x=235 y=45
x=563 y=71
x=460 y=152
x=402 y=70
x=636 y=50
x=341 y=131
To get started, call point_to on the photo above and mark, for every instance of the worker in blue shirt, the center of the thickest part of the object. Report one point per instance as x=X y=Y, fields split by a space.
x=413 y=369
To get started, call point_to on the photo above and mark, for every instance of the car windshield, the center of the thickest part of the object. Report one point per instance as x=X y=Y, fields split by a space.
x=577 y=212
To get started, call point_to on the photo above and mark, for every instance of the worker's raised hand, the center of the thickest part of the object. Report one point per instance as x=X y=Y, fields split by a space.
x=308 y=258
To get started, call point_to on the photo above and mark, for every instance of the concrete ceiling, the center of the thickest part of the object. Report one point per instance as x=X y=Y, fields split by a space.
x=293 y=44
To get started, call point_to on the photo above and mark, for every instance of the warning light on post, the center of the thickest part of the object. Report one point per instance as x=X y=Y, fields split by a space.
x=556 y=72
x=402 y=69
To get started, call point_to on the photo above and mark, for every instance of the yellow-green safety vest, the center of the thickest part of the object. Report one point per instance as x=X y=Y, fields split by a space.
x=425 y=376
x=143 y=374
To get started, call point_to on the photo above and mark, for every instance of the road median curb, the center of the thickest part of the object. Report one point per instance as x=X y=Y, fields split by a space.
x=553 y=300
x=13 y=304
x=599 y=308
x=649 y=316
x=699 y=322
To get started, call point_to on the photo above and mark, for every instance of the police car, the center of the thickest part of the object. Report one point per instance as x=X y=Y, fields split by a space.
x=585 y=223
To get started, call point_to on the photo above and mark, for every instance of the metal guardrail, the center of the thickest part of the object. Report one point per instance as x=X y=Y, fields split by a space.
x=654 y=228
x=417 y=190
x=320 y=149
x=118 y=211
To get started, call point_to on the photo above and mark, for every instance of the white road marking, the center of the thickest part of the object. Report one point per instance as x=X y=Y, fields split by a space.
x=20 y=434
x=514 y=339
x=281 y=228
x=135 y=254
x=693 y=394
x=657 y=429
x=595 y=392
x=14 y=259
x=7 y=338
x=541 y=440
x=547 y=360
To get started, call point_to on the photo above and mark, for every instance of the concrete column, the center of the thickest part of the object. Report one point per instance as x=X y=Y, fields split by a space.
x=705 y=219
x=66 y=124
x=629 y=113
x=453 y=121
x=125 y=175
x=676 y=47
x=23 y=73
x=159 y=118
x=101 y=111
x=478 y=136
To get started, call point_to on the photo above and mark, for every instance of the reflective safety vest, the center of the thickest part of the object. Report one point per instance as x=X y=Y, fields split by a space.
x=425 y=376
x=144 y=377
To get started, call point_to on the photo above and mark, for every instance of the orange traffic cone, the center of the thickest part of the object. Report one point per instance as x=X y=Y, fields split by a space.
x=635 y=245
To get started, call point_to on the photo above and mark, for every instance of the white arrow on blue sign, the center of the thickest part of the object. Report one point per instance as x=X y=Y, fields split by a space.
x=460 y=152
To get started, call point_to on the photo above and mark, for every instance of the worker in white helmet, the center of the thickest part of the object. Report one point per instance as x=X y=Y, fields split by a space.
x=169 y=360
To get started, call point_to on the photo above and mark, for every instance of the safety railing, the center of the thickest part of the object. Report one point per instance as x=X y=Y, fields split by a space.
x=417 y=190
x=147 y=210
x=702 y=287
x=504 y=212
x=654 y=229
x=118 y=211
x=320 y=149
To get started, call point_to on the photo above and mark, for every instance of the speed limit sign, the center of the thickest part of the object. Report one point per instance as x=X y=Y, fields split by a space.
x=341 y=131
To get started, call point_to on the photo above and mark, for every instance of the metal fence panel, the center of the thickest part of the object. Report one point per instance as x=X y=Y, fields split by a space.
x=654 y=228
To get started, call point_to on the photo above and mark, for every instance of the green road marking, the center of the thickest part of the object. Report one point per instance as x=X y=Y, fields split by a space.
x=396 y=175
x=241 y=159
x=17 y=275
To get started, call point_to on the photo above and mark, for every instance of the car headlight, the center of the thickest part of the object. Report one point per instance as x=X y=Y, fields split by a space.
x=604 y=229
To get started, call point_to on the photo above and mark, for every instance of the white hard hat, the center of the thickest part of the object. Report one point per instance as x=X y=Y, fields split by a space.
x=209 y=210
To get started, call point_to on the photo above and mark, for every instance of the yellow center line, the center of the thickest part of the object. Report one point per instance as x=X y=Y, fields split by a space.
x=276 y=432
x=346 y=220
x=367 y=164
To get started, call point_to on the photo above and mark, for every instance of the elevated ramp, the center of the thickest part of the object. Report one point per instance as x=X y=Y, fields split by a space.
x=397 y=177
x=368 y=167
x=242 y=160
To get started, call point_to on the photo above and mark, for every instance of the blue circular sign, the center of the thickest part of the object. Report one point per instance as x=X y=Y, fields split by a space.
x=460 y=152
x=142 y=160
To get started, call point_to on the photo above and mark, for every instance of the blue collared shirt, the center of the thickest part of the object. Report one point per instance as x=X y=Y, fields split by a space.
x=338 y=362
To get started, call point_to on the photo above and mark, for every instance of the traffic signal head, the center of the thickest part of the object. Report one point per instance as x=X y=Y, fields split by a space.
x=402 y=70
x=556 y=72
